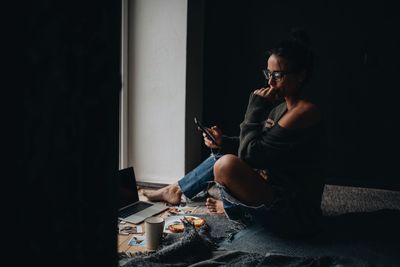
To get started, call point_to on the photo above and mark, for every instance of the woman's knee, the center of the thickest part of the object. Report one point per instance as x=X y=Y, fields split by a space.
x=224 y=167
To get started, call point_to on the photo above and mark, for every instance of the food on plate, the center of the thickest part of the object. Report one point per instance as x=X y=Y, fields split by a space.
x=174 y=210
x=178 y=227
x=197 y=222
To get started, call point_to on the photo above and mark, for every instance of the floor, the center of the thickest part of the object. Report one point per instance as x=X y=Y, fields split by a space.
x=198 y=206
x=336 y=199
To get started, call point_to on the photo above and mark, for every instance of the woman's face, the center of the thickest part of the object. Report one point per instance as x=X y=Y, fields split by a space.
x=281 y=78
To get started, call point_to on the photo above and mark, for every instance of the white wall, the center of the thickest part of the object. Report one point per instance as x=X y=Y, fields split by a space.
x=156 y=89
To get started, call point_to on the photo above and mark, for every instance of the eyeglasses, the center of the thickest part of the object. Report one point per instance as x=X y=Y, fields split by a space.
x=275 y=75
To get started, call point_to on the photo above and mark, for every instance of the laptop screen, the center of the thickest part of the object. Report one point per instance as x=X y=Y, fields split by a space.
x=127 y=187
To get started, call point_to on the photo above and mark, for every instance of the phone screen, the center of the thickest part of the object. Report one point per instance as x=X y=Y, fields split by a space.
x=204 y=130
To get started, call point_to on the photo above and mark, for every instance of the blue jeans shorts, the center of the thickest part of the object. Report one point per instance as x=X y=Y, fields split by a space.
x=281 y=215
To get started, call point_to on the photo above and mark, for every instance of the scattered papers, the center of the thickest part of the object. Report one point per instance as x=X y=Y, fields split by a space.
x=137 y=240
x=130 y=229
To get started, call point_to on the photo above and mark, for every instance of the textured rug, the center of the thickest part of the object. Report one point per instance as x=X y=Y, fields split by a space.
x=337 y=200
x=363 y=223
x=361 y=228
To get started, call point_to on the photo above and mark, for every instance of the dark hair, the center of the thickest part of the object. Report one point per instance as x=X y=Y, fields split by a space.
x=296 y=51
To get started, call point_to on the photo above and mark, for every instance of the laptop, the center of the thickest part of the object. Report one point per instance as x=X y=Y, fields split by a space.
x=131 y=209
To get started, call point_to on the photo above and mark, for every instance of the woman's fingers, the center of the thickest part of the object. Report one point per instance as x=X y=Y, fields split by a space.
x=216 y=133
x=263 y=91
x=269 y=93
x=208 y=142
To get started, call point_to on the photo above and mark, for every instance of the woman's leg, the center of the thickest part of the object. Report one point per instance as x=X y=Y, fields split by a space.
x=243 y=182
x=199 y=178
x=190 y=185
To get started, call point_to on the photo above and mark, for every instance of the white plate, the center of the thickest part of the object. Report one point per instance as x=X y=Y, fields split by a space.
x=173 y=220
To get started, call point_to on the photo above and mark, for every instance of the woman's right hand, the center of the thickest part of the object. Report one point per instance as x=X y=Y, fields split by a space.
x=217 y=133
x=272 y=94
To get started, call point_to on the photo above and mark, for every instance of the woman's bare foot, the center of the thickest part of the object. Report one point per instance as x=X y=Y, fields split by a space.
x=171 y=194
x=214 y=205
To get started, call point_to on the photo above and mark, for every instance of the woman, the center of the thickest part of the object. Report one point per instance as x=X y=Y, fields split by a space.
x=271 y=173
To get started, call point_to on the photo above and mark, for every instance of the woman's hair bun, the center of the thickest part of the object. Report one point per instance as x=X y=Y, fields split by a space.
x=296 y=50
x=300 y=35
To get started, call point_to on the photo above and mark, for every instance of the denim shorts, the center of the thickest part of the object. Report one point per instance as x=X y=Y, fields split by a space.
x=280 y=216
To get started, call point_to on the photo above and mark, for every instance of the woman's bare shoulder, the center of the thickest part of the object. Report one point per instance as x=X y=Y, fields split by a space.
x=304 y=115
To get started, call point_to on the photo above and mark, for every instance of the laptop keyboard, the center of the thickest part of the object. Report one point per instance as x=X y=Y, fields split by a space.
x=134 y=209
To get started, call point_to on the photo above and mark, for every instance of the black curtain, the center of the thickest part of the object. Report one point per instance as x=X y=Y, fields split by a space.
x=71 y=85
x=354 y=81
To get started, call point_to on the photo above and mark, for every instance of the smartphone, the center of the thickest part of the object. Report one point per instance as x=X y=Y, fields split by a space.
x=204 y=130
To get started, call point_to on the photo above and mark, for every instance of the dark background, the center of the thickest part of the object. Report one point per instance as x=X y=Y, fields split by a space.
x=70 y=82
x=66 y=211
x=355 y=80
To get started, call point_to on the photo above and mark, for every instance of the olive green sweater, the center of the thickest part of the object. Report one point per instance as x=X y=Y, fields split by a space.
x=291 y=157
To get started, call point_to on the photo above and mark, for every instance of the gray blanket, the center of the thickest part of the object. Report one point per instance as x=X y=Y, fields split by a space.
x=200 y=248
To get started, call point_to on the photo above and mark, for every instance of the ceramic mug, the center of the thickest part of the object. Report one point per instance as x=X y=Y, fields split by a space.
x=154 y=228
